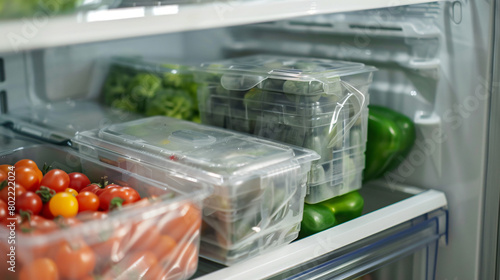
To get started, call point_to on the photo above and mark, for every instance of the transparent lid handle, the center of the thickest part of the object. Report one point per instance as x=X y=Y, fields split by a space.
x=357 y=99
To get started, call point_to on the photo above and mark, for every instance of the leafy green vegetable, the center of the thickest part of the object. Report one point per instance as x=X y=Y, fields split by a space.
x=169 y=93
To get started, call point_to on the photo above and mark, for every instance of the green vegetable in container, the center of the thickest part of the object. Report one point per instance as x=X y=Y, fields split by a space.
x=391 y=136
x=170 y=93
x=170 y=103
x=329 y=213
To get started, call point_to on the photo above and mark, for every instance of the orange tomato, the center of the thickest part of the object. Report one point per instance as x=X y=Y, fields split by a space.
x=75 y=259
x=185 y=224
x=26 y=162
x=6 y=168
x=40 y=269
x=28 y=178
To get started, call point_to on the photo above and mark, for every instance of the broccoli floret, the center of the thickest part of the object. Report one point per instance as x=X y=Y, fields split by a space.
x=126 y=104
x=171 y=103
x=144 y=85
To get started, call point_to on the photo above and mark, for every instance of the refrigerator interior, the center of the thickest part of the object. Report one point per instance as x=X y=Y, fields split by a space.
x=434 y=64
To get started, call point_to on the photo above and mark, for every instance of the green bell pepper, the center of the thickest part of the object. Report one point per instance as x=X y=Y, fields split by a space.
x=391 y=136
x=329 y=213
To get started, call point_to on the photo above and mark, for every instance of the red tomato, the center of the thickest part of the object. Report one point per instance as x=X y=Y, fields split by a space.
x=46 y=212
x=110 y=186
x=56 y=179
x=29 y=201
x=93 y=188
x=75 y=259
x=133 y=266
x=28 y=178
x=38 y=224
x=116 y=197
x=41 y=269
x=63 y=222
x=91 y=215
x=18 y=191
x=185 y=224
x=145 y=236
x=165 y=246
x=4 y=210
x=3 y=176
x=16 y=222
x=78 y=181
x=87 y=201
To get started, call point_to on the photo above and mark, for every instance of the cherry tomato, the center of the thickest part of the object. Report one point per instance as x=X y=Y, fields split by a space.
x=46 y=212
x=71 y=191
x=93 y=188
x=37 y=224
x=165 y=246
x=3 y=176
x=116 y=197
x=28 y=178
x=16 y=221
x=18 y=191
x=133 y=266
x=40 y=269
x=87 y=201
x=26 y=162
x=29 y=201
x=6 y=168
x=185 y=224
x=4 y=210
x=78 y=181
x=31 y=164
x=75 y=259
x=91 y=215
x=56 y=179
x=110 y=186
x=145 y=236
x=63 y=204
x=67 y=222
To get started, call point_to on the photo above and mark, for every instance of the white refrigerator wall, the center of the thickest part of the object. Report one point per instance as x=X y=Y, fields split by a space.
x=437 y=75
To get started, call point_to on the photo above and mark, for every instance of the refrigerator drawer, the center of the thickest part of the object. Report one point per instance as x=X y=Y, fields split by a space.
x=400 y=221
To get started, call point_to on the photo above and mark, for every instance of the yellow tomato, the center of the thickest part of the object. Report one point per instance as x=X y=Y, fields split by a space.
x=63 y=204
x=71 y=191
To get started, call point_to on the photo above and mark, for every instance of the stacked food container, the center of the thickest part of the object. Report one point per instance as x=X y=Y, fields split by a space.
x=314 y=103
x=157 y=236
x=258 y=185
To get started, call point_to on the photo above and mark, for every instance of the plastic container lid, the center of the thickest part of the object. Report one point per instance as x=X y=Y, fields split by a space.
x=212 y=154
x=247 y=72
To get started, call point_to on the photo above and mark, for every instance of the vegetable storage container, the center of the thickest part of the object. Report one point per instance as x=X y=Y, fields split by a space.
x=259 y=185
x=151 y=88
x=314 y=103
x=120 y=89
x=150 y=238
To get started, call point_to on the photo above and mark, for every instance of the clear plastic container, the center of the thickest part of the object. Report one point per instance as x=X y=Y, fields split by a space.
x=152 y=237
x=270 y=239
x=150 y=86
x=254 y=180
x=314 y=103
